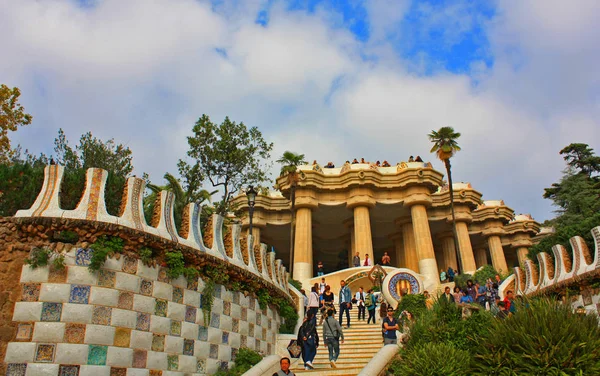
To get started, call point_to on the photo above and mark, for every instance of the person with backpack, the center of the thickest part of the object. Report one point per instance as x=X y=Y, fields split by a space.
x=450 y=274
x=371 y=305
x=308 y=338
x=332 y=334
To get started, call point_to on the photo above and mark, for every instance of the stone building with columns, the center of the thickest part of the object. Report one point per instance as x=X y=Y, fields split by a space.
x=403 y=210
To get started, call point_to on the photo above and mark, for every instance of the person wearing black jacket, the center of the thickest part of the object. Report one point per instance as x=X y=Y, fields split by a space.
x=308 y=338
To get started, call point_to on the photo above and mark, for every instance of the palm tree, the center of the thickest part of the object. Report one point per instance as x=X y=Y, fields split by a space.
x=182 y=197
x=289 y=166
x=445 y=146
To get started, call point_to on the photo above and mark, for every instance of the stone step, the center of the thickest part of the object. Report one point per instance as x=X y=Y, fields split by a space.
x=340 y=371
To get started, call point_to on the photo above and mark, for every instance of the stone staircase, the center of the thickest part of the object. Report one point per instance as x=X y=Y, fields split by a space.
x=361 y=343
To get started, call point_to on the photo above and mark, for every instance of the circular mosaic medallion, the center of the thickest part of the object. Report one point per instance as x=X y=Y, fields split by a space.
x=403 y=280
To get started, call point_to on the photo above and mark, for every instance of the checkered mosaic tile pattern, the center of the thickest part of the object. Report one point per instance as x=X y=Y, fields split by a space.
x=127 y=319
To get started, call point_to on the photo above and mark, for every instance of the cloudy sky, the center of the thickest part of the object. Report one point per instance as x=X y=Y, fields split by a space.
x=333 y=79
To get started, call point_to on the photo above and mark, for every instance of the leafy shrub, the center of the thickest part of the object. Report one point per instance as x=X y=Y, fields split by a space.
x=461 y=280
x=38 y=257
x=413 y=303
x=104 y=247
x=295 y=283
x=175 y=264
x=65 y=236
x=244 y=360
x=483 y=273
x=544 y=337
x=432 y=359
x=146 y=255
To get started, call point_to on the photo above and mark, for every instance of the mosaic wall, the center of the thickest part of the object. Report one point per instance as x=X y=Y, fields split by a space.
x=128 y=319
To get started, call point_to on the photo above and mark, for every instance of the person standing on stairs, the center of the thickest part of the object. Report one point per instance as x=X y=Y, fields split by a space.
x=345 y=302
x=332 y=334
x=309 y=340
x=370 y=303
x=390 y=326
x=284 y=364
x=360 y=302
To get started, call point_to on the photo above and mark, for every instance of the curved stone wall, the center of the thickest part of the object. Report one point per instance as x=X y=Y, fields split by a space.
x=129 y=318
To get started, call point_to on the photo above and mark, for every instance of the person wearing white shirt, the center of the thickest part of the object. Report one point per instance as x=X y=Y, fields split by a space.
x=360 y=302
x=367 y=261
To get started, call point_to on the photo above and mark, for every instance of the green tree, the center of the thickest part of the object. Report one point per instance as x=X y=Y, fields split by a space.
x=182 y=197
x=20 y=181
x=576 y=197
x=12 y=115
x=445 y=146
x=92 y=152
x=289 y=166
x=229 y=155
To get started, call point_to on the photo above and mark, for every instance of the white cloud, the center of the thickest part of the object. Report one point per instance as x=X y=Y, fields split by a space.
x=144 y=71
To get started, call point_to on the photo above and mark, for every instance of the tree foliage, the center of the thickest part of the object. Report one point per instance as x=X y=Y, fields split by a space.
x=290 y=161
x=229 y=155
x=20 y=182
x=12 y=115
x=576 y=197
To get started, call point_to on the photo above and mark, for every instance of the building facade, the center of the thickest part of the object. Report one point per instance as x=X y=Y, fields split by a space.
x=403 y=210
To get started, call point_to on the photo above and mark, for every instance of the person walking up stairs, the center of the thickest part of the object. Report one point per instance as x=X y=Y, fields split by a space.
x=361 y=342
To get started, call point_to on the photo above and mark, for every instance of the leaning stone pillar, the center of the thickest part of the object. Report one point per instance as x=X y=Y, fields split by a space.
x=303 y=252
x=466 y=250
x=481 y=257
x=522 y=253
x=497 y=253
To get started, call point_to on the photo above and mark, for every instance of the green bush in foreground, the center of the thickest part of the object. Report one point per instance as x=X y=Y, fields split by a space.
x=245 y=359
x=544 y=337
x=432 y=359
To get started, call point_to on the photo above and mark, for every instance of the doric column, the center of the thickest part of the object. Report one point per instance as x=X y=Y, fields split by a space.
x=363 y=240
x=409 y=257
x=522 y=253
x=466 y=251
x=448 y=252
x=398 y=250
x=424 y=245
x=303 y=252
x=497 y=253
x=481 y=257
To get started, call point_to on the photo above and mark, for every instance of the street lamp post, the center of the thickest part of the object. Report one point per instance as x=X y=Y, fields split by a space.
x=251 y=195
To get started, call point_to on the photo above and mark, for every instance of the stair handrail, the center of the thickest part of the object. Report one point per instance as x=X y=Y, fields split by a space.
x=378 y=364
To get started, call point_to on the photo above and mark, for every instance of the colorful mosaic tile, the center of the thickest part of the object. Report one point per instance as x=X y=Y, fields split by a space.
x=243 y=341
x=235 y=323
x=57 y=275
x=244 y=314
x=269 y=323
x=162 y=275
x=83 y=257
x=214 y=351
x=225 y=338
x=172 y=362
x=44 y=353
x=215 y=320
x=51 y=311
x=251 y=329
x=264 y=334
x=74 y=333
x=252 y=303
x=117 y=371
x=16 y=369
x=139 y=358
x=264 y=311
x=160 y=308
x=143 y=322
x=218 y=290
x=125 y=300
x=101 y=315
x=122 y=337
x=30 y=292
x=146 y=287
x=190 y=314
x=269 y=349
x=79 y=294
x=258 y=318
x=24 y=332
x=130 y=265
x=203 y=333
x=236 y=297
x=71 y=370
x=234 y=353
x=158 y=342
x=223 y=365
x=201 y=366
x=97 y=355
x=176 y=328
x=106 y=278
x=192 y=284
x=227 y=308
x=188 y=347
x=156 y=372
x=178 y=295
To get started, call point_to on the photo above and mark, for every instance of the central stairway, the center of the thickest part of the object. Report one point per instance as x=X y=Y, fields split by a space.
x=361 y=343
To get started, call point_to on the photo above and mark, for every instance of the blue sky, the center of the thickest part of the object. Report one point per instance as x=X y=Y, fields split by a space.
x=332 y=79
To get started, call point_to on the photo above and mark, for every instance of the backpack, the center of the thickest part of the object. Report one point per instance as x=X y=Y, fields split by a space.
x=369 y=300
